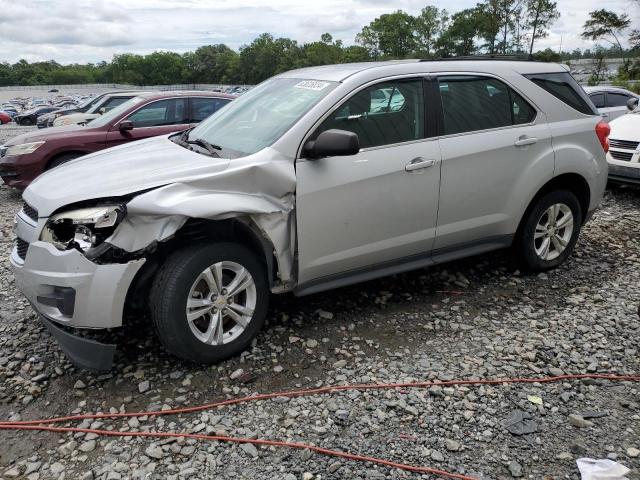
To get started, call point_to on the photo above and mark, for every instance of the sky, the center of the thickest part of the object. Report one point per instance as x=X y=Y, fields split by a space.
x=70 y=31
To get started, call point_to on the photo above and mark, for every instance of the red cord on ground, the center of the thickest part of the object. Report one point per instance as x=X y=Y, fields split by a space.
x=42 y=425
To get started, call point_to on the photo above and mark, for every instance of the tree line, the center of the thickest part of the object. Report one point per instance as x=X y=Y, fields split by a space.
x=491 y=27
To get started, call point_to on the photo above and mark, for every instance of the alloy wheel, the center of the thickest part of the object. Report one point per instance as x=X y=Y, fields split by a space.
x=553 y=232
x=221 y=303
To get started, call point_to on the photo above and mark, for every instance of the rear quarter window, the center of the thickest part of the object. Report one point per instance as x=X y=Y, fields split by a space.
x=564 y=87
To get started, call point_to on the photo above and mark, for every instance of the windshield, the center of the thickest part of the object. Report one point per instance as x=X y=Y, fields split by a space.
x=115 y=112
x=259 y=117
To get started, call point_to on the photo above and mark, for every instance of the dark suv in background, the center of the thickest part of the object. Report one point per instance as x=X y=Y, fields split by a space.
x=26 y=156
x=30 y=117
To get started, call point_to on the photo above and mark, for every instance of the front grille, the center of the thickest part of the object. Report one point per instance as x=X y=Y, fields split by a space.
x=31 y=212
x=22 y=248
x=626 y=144
x=624 y=156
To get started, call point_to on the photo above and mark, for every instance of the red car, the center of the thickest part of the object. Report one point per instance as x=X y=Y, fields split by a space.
x=5 y=118
x=26 y=156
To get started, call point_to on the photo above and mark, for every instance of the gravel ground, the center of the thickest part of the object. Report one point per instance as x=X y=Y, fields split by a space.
x=477 y=318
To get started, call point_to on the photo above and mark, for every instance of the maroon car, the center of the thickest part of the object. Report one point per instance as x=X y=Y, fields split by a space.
x=26 y=156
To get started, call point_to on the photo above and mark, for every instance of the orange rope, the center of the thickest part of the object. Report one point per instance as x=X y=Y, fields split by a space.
x=41 y=425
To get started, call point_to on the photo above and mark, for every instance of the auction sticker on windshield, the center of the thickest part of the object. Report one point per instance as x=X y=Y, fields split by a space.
x=312 y=85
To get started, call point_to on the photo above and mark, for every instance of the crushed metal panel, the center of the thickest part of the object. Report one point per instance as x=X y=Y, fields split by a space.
x=263 y=191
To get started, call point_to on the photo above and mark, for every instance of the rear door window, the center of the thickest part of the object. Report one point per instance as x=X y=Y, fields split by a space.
x=564 y=87
x=202 y=107
x=471 y=103
x=598 y=99
x=160 y=113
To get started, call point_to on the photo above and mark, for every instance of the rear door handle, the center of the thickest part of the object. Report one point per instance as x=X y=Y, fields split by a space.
x=418 y=164
x=524 y=141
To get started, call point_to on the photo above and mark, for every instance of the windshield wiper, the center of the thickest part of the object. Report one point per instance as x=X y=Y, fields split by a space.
x=212 y=149
x=201 y=142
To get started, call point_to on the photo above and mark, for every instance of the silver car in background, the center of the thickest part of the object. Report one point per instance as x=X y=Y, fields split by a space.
x=315 y=179
x=611 y=102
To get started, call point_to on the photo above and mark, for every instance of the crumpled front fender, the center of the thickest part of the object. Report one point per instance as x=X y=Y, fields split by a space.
x=261 y=189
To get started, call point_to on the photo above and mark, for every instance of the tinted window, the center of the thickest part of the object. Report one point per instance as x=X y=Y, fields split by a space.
x=564 y=87
x=202 y=107
x=386 y=113
x=159 y=113
x=597 y=99
x=113 y=102
x=478 y=103
x=617 y=99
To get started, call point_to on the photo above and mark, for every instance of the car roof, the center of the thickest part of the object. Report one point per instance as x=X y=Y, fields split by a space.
x=607 y=88
x=184 y=93
x=340 y=72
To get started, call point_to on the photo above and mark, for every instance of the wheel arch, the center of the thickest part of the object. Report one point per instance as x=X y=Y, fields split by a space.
x=58 y=155
x=573 y=182
x=238 y=230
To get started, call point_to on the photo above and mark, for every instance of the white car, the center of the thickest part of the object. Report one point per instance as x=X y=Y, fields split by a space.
x=624 y=146
x=611 y=102
x=108 y=102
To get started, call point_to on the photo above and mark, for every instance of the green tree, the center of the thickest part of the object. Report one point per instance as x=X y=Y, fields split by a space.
x=608 y=26
x=489 y=21
x=541 y=15
x=429 y=26
x=459 y=36
x=392 y=34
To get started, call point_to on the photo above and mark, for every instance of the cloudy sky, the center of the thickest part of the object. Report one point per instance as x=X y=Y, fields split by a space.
x=93 y=30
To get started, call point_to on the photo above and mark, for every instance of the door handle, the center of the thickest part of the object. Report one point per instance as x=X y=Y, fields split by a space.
x=523 y=141
x=604 y=115
x=419 y=163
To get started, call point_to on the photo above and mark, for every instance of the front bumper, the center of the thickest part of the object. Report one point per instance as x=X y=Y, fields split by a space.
x=71 y=290
x=67 y=289
x=624 y=173
x=19 y=171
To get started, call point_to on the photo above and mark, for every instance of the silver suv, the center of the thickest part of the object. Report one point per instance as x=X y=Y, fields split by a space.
x=310 y=182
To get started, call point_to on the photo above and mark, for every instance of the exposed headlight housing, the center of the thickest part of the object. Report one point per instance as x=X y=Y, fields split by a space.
x=82 y=229
x=23 y=149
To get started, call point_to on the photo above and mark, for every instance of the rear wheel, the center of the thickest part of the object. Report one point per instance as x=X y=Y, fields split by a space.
x=209 y=302
x=550 y=231
x=62 y=159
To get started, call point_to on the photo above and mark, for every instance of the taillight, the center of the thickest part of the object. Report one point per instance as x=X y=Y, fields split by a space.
x=602 y=131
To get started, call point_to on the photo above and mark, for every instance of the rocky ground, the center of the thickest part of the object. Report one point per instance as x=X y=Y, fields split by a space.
x=478 y=318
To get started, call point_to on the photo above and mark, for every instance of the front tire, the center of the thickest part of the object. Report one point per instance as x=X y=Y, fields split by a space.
x=549 y=231
x=27 y=122
x=62 y=159
x=209 y=302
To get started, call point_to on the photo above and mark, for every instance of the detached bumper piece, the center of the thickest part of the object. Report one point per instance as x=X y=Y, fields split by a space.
x=83 y=352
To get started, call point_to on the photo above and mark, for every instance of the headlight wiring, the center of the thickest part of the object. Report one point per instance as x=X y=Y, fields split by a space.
x=82 y=229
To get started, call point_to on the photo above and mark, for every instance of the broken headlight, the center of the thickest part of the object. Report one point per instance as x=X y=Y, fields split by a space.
x=84 y=228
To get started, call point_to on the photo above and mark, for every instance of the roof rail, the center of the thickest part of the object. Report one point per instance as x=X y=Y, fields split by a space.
x=493 y=56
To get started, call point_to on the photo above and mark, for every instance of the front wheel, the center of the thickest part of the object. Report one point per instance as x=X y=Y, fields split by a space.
x=27 y=122
x=549 y=231
x=209 y=302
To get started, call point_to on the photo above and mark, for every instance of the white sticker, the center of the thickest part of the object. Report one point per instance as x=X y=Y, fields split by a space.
x=312 y=85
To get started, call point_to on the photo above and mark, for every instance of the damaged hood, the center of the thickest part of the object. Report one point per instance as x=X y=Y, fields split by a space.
x=119 y=171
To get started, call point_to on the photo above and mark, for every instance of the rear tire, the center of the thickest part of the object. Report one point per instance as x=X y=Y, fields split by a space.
x=549 y=231
x=209 y=301
x=62 y=159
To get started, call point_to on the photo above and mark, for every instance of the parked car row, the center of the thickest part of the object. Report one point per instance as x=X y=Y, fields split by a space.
x=27 y=111
x=314 y=179
x=125 y=117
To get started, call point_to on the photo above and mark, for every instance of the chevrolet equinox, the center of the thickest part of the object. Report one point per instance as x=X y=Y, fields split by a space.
x=315 y=179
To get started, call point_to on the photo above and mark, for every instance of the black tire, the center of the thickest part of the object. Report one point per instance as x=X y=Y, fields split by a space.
x=171 y=288
x=26 y=122
x=62 y=159
x=525 y=245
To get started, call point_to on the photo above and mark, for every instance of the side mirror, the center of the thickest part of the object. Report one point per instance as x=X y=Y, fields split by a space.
x=125 y=125
x=632 y=104
x=101 y=110
x=332 y=143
